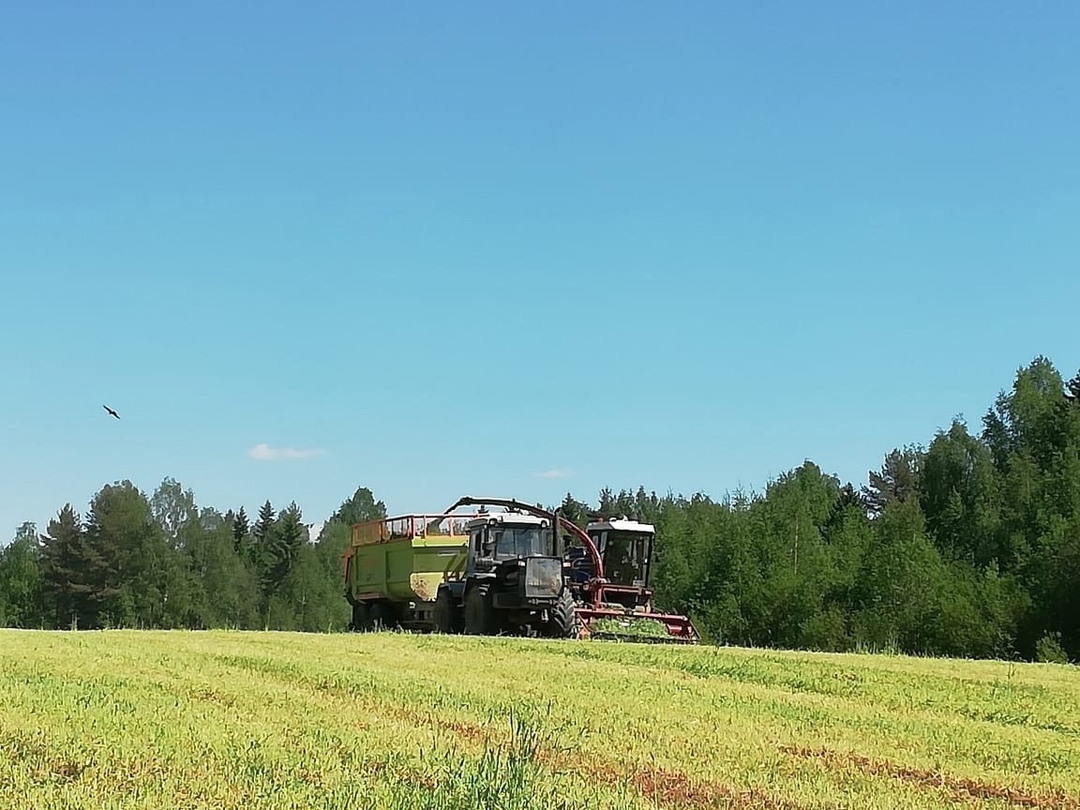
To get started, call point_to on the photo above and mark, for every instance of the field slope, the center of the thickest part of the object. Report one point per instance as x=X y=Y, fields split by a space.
x=231 y=720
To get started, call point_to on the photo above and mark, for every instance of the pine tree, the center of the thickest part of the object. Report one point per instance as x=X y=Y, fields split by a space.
x=577 y=512
x=240 y=529
x=898 y=480
x=607 y=507
x=140 y=562
x=263 y=531
x=78 y=579
x=849 y=498
x=284 y=550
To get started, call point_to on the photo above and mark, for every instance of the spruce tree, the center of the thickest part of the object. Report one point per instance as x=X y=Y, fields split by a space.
x=240 y=529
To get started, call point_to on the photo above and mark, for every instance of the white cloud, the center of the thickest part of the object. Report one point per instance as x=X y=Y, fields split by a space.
x=554 y=474
x=264 y=452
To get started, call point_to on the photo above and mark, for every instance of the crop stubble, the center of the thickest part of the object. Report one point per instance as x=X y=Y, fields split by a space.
x=156 y=719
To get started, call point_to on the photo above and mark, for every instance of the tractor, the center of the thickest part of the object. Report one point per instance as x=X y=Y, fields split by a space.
x=513 y=580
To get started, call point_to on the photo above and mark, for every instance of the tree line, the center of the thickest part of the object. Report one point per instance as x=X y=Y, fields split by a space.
x=967 y=546
x=164 y=562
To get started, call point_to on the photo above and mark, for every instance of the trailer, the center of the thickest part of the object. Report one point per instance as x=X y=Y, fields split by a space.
x=394 y=566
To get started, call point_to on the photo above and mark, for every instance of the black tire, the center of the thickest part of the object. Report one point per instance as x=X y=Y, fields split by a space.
x=446 y=619
x=480 y=618
x=382 y=617
x=361 y=618
x=563 y=621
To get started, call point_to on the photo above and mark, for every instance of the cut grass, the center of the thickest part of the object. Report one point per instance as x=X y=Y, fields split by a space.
x=629 y=628
x=127 y=719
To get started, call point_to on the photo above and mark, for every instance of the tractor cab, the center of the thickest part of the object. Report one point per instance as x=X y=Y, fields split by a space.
x=516 y=554
x=507 y=537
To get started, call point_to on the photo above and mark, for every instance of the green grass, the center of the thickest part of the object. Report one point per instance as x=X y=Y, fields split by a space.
x=249 y=720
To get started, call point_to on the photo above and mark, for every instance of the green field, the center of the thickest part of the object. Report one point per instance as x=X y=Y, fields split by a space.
x=247 y=720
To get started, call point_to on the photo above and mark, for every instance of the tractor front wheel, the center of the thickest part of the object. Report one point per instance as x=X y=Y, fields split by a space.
x=563 y=621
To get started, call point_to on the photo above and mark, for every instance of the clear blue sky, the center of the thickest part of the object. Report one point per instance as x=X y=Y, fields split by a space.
x=454 y=246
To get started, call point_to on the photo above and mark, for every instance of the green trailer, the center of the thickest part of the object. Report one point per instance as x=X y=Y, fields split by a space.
x=394 y=566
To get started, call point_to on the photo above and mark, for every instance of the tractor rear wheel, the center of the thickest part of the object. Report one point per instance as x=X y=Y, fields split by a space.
x=480 y=618
x=563 y=621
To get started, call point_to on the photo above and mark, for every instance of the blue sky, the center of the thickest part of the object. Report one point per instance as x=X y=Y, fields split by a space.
x=451 y=247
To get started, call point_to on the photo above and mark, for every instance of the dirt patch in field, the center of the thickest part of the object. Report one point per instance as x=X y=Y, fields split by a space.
x=663 y=787
x=466 y=731
x=958 y=789
x=461 y=730
x=673 y=789
x=207 y=694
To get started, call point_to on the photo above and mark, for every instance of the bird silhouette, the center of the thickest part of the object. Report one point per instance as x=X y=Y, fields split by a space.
x=111 y=411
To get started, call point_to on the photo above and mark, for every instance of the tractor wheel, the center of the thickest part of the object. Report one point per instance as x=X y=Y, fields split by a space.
x=563 y=621
x=480 y=618
x=446 y=620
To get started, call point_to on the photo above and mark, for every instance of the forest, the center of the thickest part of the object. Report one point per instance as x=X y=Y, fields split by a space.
x=965 y=546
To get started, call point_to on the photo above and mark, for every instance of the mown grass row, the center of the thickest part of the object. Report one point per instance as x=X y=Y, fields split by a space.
x=218 y=719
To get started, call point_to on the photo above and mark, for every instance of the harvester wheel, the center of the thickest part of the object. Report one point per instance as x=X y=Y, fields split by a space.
x=480 y=619
x=446 y=620
x=564 y=620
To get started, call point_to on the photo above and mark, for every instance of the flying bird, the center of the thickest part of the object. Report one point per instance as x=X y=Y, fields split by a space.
x=111 y=411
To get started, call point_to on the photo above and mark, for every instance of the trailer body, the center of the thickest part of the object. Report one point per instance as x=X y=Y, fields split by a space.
x=394 y=566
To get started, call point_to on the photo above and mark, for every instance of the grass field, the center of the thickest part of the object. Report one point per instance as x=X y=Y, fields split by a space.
x=248 y=720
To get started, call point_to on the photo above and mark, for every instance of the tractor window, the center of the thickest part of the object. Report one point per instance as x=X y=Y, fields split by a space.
x=521 y=541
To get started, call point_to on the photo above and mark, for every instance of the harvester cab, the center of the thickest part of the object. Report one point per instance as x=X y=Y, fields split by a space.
x=610 y=568
x=625 y=546
x=513 y=578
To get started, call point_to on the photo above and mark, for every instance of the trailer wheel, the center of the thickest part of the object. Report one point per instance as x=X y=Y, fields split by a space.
x=361 y=618
x=383 y=616
x=480 y=619
x=445 y=619
x=564 y=620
